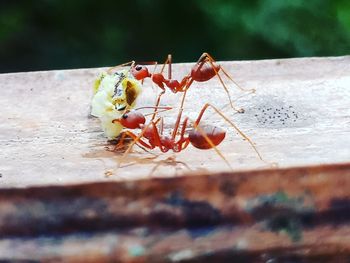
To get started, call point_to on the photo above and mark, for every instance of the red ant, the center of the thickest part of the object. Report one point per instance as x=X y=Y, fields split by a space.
x=201 y=137
x=204 y=70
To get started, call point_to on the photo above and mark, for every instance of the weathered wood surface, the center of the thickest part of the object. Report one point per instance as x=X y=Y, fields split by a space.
x=299 y=115
x=286 y=215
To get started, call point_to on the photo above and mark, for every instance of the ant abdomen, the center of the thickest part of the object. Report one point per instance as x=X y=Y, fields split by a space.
x=199 y=137
x=204 y=72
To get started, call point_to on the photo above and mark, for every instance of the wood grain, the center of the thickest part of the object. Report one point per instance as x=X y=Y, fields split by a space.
x=299 y=115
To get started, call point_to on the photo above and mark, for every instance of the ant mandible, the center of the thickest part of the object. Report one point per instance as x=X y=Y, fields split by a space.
x=201 y=137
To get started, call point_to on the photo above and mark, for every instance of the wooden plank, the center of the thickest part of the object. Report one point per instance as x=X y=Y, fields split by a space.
x=47 y=136
x=286 y=215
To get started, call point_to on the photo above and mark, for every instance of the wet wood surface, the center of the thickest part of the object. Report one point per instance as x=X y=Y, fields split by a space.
x=299 y=115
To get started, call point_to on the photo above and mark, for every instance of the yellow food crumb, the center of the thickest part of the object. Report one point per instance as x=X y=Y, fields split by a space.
x=113 y=95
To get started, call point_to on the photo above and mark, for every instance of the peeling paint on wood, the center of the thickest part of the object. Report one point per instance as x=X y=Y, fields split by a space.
x=278 y=213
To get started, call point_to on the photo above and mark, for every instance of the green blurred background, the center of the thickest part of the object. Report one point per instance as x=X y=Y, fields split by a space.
x=53 y=34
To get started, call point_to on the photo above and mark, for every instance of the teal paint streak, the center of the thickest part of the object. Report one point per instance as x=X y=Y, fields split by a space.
x=281 y=213
x=136 y=250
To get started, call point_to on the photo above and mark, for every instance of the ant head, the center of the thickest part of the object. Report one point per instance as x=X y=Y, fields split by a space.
x=140 y=72
x=131 y=120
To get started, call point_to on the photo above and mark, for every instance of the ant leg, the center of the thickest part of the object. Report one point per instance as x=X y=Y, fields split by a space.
x=136 y=139
x=154 y=169
x=184 y=86
x=212 y=60
x=184 y=89
x=131 y=64
x=183 y=142
x=168 y=161
x=161 y=126
x=157 y=103
x=206 y=57
x=143 y=145
x=188 y=85
x=168 y=62
x=179 y=115
x=120 y=143
x=205 y=107
x=157 y=140
x=162 y=109
x=205 y=136
x=155 y=63
x=160 y=94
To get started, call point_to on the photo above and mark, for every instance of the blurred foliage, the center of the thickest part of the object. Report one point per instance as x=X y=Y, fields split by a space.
x=52 y=34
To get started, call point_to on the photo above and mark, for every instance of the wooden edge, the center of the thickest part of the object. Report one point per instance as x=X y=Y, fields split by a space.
x=300 y=212
x=235 y=197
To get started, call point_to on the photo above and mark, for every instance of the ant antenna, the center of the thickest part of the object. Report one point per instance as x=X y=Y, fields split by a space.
x=155 y=107
x=130 y=63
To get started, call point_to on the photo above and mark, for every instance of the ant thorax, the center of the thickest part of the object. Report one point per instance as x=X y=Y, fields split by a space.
x=113 y=95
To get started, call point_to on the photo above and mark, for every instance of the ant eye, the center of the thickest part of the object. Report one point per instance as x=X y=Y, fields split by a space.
x=138 y=68
x=125 y=116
